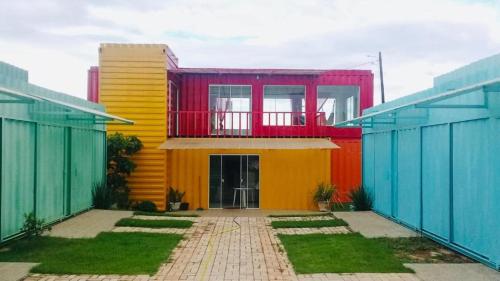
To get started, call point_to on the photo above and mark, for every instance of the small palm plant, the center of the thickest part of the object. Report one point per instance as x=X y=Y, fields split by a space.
x=323 y=195
x=102 y=196
x=361 y=199
x=175 y=198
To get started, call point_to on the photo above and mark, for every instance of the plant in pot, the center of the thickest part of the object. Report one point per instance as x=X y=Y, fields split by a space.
x=175 y=198
x=323 y=196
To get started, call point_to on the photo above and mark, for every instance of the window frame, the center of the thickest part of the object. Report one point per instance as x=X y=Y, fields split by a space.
x=285 y=85
x=250 y=112
x=337 y=85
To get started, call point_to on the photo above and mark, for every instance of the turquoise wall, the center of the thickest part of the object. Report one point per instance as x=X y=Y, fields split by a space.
x=437 y=170
x=49 y=162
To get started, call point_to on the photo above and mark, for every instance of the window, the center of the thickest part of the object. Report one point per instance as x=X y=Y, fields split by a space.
x=284 y=105
x=337 y=104
x=230 y=109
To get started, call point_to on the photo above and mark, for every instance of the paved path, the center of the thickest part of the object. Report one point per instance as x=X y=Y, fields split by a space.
x=372 y=225
x=453 y=272
x=13 y=271
x=229 y=248
x=88 y=224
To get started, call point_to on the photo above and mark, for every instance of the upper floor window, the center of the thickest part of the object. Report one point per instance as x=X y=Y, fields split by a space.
x=284 y=105
x=337 y=103
x=230 y=109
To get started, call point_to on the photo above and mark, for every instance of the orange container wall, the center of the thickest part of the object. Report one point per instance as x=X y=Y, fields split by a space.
x=288 y=178
x=133 y=84
x=346 y=167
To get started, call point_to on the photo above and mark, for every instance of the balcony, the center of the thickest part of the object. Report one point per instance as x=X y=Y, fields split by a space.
x=220 y=124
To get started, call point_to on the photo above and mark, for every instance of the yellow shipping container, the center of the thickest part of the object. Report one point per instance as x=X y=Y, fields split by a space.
x=130 y=76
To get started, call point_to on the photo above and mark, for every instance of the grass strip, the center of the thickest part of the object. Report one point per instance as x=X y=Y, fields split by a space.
x=312 y=214
x=340 y=253
x=108 y=253
x=154 y=223
x=309 y=224
x=158 y=214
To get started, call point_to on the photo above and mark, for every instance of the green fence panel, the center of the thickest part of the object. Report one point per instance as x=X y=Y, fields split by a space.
x=50 y=173
x=99 y=156
x=81 y=169
x=18 y=175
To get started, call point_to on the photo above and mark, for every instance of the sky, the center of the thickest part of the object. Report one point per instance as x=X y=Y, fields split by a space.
x=57 y=40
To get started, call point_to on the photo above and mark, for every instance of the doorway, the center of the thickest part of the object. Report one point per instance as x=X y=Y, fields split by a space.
x=234 y=181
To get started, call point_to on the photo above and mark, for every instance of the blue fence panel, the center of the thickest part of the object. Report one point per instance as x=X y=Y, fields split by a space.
x=383 y=176
x=472 y=189
x=368 y=163
x=408 y=177
x=436 y=180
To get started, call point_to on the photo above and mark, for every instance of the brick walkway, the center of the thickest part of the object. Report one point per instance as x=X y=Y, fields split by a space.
x=229 y=248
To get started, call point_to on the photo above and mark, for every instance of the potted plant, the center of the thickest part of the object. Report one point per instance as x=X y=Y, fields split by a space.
x=175 y=198
x=323 y=196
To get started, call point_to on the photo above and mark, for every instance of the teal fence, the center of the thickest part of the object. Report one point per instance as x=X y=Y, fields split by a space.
x=431 y=160
x=51 y=156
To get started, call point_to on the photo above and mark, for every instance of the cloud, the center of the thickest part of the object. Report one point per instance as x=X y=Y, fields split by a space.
x=419 y=39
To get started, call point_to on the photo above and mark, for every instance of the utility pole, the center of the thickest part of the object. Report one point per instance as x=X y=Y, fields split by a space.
x=381 y=76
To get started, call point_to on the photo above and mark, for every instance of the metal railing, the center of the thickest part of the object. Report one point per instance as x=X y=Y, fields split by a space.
x=246 y=124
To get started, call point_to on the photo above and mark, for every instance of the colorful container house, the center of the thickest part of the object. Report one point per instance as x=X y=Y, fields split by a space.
x=233 y=138
x=53 y=151
x=430 y=160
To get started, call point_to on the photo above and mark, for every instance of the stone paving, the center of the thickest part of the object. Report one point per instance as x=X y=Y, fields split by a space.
x=88 y=224
x=371 y=225
x=358 y=277
x=227 y=248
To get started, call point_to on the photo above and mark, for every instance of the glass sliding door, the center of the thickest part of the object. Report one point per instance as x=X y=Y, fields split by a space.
x=253 y=178
x=214 y=191
x=234 y=181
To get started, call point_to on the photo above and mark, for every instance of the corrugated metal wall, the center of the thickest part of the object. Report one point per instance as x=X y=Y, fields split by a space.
x=194 y=97
x=288 y=178
x=441 y=175
x=346 y=167
x=133 y=85
x=37 y=153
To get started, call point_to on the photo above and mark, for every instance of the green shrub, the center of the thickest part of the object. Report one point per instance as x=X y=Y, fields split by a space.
x=32 y=226
x=361 y=199
x=324 y=192
x=102 y=196
x=147 y=206
x=120 y=148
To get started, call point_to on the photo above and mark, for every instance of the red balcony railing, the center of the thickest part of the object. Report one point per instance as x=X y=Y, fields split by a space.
x=246 y=124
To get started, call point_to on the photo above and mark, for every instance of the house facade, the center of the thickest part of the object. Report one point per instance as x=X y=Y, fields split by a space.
x=233 y=138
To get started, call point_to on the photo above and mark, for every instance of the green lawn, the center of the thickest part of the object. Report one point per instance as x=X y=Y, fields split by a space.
x=311 y=223
x=108 y=253
x=340 y=253
x=310 y=214
x=154 y=223
x=182 y=214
